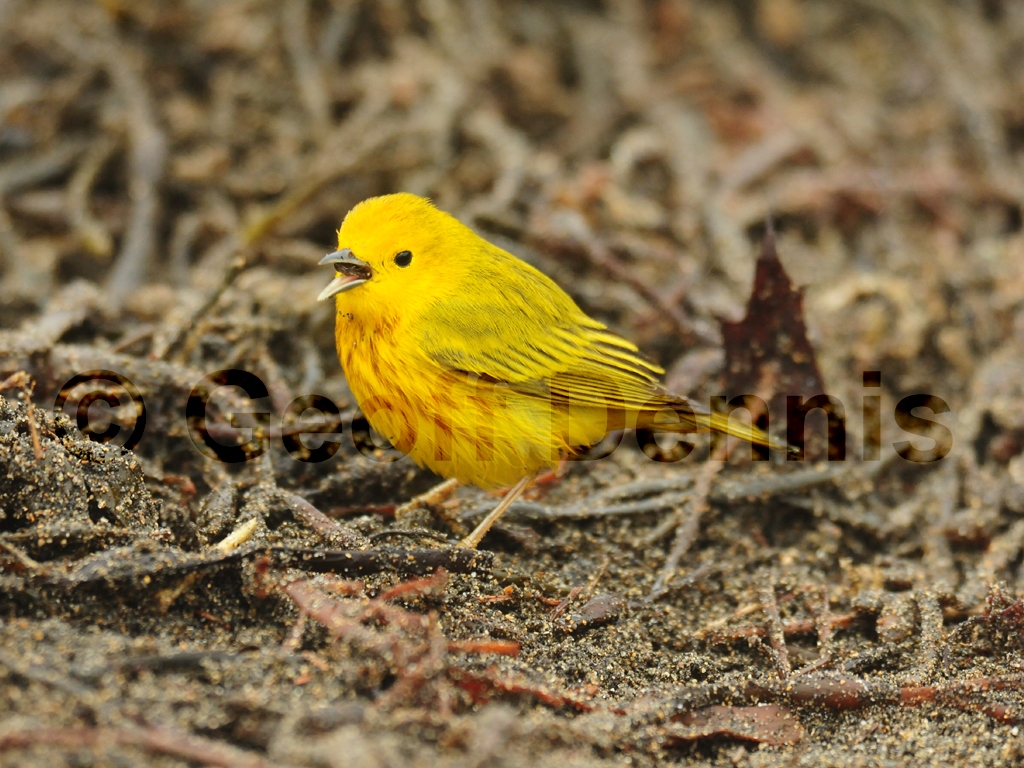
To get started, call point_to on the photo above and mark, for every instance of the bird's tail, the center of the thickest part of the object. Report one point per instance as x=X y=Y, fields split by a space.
x=692 y=419
x=716 y=422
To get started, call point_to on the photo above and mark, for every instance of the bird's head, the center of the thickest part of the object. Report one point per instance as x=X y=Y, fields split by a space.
x=393 y=249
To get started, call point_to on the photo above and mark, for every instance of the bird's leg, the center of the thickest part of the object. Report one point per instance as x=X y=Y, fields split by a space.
x=432 y=500
x=484 y=525
x=549 y=477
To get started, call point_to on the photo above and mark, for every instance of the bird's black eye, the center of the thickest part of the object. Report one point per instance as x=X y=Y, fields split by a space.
x=403 y=259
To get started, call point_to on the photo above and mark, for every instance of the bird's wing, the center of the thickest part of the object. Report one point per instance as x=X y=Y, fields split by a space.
x=530 y=335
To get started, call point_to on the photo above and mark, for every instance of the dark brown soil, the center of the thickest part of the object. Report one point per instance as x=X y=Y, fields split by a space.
x=170 y=173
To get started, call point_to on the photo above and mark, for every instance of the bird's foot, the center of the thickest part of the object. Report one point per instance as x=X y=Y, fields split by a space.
x=433 y=501
x=474 y=538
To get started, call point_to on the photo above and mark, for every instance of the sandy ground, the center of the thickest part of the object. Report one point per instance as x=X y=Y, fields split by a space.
x=170 y=173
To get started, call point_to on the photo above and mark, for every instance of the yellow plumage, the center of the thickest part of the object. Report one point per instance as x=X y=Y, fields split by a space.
x=474 y=363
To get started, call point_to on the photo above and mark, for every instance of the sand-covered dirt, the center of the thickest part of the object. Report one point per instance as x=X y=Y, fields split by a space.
x=170 y=174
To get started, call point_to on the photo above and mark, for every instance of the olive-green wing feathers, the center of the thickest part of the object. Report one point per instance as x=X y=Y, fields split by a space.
x=534 y=338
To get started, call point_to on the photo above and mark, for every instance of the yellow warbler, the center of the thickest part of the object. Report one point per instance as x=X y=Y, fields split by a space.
x=474 y=363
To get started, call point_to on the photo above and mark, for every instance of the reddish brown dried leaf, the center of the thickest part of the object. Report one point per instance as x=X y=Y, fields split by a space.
x=500 y=647
x=840 y=694
x=767 y=352
x=766 y=724
x=481 y=686
x=428 y=586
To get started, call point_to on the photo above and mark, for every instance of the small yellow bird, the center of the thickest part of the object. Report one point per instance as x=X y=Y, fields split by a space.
x=477 y=365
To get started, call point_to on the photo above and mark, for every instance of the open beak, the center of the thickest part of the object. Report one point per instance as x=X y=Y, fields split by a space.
x=351 y=272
